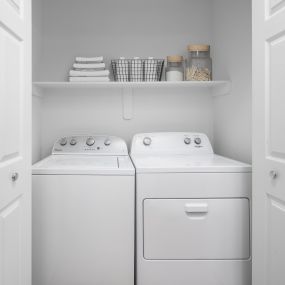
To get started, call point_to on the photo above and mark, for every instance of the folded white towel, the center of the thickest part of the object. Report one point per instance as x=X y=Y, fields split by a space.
x=91 y=69
x=89 y=65
x=89 y=73
x=89 y=59
x=89 y=79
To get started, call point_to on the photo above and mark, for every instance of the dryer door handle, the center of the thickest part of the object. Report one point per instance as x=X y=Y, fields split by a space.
x=196 y=208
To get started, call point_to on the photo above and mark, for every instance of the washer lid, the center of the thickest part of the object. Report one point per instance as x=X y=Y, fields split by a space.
x=84 y=165
x=187 y=163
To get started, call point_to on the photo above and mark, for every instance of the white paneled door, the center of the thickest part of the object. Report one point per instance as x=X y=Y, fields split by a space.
x=269 y=142
x=15 y=144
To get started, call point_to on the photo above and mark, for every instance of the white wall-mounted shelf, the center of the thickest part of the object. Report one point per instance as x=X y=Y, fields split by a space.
x=215 y=87
x=127 y=89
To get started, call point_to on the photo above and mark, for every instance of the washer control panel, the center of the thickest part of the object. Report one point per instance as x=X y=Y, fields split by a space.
x=92 y=144
x=171 y=143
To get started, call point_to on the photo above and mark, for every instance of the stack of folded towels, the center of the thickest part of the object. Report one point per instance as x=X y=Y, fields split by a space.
x=89 y=69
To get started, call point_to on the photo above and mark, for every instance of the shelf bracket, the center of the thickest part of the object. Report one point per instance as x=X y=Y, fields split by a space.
x=221 y=90
x=127 y=103
x=37 y=92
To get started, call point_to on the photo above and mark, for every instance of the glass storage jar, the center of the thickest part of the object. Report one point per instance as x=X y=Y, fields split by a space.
x=199 y=66
x=175 y=68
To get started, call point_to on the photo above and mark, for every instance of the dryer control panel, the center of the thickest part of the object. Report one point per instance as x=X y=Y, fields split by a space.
x=171 y=143
x=92 y=145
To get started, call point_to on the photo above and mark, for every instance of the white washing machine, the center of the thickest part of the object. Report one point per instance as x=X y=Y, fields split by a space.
x=193 y=212
x=83 y=213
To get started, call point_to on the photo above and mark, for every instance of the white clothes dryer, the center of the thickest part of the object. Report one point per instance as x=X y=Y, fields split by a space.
x=193 y=212
x=83 y=213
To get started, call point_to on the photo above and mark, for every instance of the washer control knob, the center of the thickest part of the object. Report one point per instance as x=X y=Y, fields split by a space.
x=73 y=142
x=197 y=141
x=90 y=141
x=63 y=142
x=187 y=140
x=107 y=142
x=147 y=141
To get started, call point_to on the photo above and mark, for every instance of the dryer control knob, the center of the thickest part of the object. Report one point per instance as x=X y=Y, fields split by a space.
x=147 y=141
x=90 y=141
x=107 y=142
x=73 y=142
x=197 y=141
x=63 y=142
x=187 y=140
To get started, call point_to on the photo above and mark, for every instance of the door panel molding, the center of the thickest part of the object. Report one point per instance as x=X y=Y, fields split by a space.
x=275 y=237
x=10 y=242
x=275 y=101
x=274 y=6
x=11 y=58
x=16 y=5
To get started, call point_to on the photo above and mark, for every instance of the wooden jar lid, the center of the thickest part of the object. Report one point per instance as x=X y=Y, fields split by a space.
x=175 y=58
x=198 y=47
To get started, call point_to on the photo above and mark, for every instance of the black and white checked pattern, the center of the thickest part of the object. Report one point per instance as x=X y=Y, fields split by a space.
x=122 y=70
x=137 y=70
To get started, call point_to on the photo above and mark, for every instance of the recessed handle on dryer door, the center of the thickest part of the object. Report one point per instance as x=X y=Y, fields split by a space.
x=196 y=208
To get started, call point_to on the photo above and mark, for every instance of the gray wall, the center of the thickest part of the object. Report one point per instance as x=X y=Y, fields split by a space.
x=119 y=28
x=231 y=51
x=68 y=113
x=69 y=28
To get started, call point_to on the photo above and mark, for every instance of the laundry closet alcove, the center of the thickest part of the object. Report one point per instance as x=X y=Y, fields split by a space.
x=65 y=29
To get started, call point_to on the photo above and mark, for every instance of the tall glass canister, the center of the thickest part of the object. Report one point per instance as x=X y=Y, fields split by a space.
x=199 y=65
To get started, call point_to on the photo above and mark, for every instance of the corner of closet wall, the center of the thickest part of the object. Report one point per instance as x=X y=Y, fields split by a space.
x=232 y=60
x=37 y=32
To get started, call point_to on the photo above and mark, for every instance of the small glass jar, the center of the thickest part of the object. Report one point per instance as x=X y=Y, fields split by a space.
x=199 y=66
x=175 y=68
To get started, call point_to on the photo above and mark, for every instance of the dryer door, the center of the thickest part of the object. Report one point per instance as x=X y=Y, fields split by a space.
x=185 y=229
